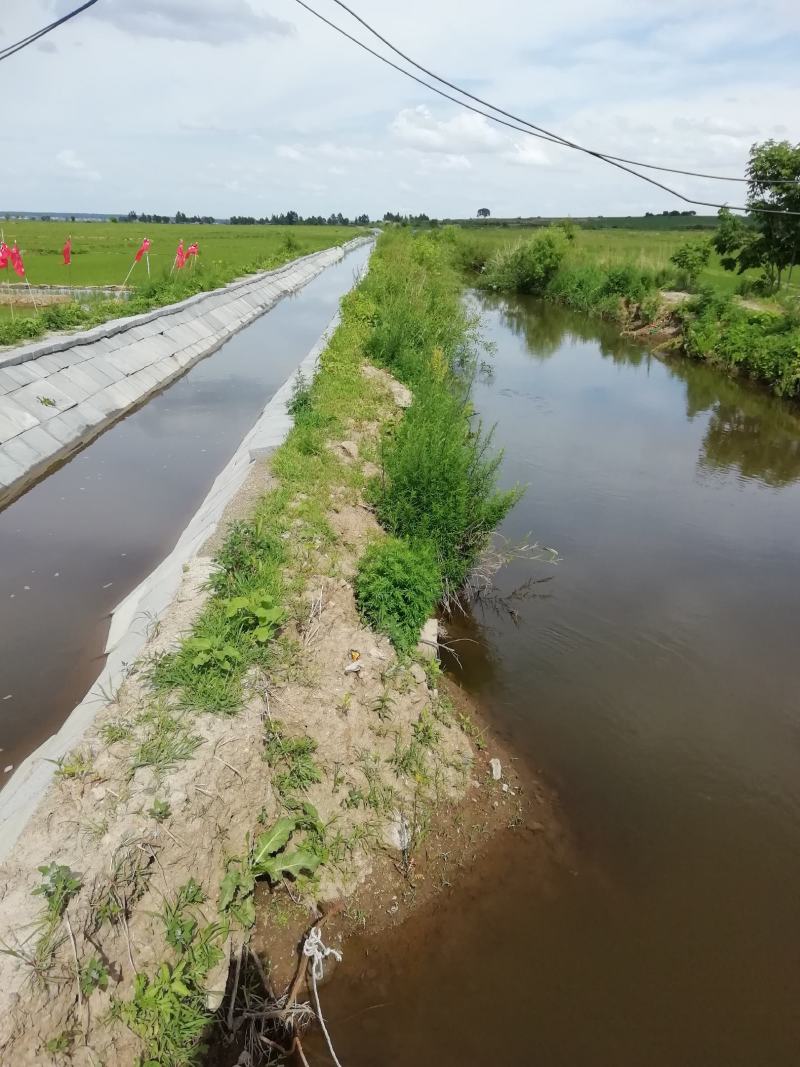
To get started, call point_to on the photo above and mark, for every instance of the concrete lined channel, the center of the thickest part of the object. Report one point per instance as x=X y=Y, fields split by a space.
x=79 y=541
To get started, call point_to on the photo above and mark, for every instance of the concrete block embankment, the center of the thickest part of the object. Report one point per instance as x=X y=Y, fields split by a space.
x=58 y=393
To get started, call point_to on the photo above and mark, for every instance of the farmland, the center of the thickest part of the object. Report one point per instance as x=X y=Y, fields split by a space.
x=102 y=252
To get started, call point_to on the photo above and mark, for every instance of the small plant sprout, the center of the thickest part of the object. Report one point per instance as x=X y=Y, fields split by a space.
x=256 y=614
x=160 y=811
x=75 y=765
x=59 y=884
x=93 y=975
x=61 y=1043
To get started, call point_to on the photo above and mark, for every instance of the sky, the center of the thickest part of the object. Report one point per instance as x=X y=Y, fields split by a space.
x=254 y=107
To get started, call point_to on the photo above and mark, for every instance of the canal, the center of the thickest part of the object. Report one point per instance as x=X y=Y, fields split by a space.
x=76 y=543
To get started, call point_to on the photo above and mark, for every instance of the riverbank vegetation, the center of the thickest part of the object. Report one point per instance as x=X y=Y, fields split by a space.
x=701 y=291
x=102 y=254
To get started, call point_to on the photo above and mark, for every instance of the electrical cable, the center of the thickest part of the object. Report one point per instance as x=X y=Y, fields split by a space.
x=545 y=135
x=12 y=49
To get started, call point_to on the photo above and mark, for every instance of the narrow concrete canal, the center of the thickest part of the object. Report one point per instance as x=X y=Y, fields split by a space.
x=77 y=542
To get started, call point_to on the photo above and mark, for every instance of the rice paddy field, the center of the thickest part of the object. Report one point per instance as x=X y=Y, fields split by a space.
x=102 y=251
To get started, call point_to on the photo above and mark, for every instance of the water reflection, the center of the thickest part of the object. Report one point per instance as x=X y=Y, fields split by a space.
x=546 y=328
x=756 y=435
x=749 y=433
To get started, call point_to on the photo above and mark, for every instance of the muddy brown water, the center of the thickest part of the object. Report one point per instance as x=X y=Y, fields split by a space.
x=653 y=680
x=77 y=542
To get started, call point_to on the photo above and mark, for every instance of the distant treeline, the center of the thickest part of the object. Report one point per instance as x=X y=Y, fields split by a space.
x=672 y=220
x=292 y=218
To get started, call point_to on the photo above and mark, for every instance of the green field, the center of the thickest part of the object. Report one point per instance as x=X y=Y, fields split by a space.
x=645 y=249
x=102 y=251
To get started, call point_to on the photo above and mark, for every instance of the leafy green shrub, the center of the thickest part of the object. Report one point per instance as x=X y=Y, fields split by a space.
x=690 y=258
x=397 y=586
x=525 y=267
x=762 y=345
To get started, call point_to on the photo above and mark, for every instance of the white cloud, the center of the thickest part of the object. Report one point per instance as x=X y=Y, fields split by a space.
x=188 y=20
x=527 y=153
x=71 y=162
x=418 y=128
x=444 y=163
x=290 y=152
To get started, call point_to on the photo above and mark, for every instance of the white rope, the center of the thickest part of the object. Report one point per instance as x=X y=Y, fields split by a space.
x=317 y=952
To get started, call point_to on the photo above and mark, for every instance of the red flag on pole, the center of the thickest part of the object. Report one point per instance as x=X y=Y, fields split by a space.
x=143 y=248
x=5 y=255
x=180 y=256
x=66 y=252
x=16 y=260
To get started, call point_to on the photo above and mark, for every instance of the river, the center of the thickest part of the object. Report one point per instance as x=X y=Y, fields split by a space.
x=651 y=680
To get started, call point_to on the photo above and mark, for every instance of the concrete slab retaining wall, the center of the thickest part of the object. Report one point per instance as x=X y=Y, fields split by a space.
x=129 y=624
x=58 y=393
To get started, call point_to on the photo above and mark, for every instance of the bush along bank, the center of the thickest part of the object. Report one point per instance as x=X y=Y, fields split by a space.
x=284 y=743
x=762 y=345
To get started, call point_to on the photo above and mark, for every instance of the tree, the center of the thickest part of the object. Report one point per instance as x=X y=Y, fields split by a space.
x=568 y=227
x=768 y=241
x=690 y=258
x=483 y=213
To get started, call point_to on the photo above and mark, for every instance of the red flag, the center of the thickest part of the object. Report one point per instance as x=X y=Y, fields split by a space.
x=16 y=260
x=5 y=255
x=66 y=252
x=143 y=247
x=180 y=256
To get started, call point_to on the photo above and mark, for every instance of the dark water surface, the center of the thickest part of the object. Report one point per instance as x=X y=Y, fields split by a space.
x=75 y=544
x=656 y=686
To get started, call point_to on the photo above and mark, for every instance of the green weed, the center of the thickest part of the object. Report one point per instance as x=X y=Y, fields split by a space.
x=93 y=975
x=397 y=586
x=165 y=740
x=291 y=758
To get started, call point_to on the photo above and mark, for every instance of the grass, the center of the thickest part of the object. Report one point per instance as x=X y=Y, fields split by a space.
x=102 y=254
x=647 y=250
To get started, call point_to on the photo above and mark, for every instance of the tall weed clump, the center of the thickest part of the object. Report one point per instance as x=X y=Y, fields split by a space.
x=438 y=485
x=526 y=266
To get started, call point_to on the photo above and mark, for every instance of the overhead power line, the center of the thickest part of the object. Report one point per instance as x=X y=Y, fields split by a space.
x=528 y=128
x=551 y=136
x=11 y=49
